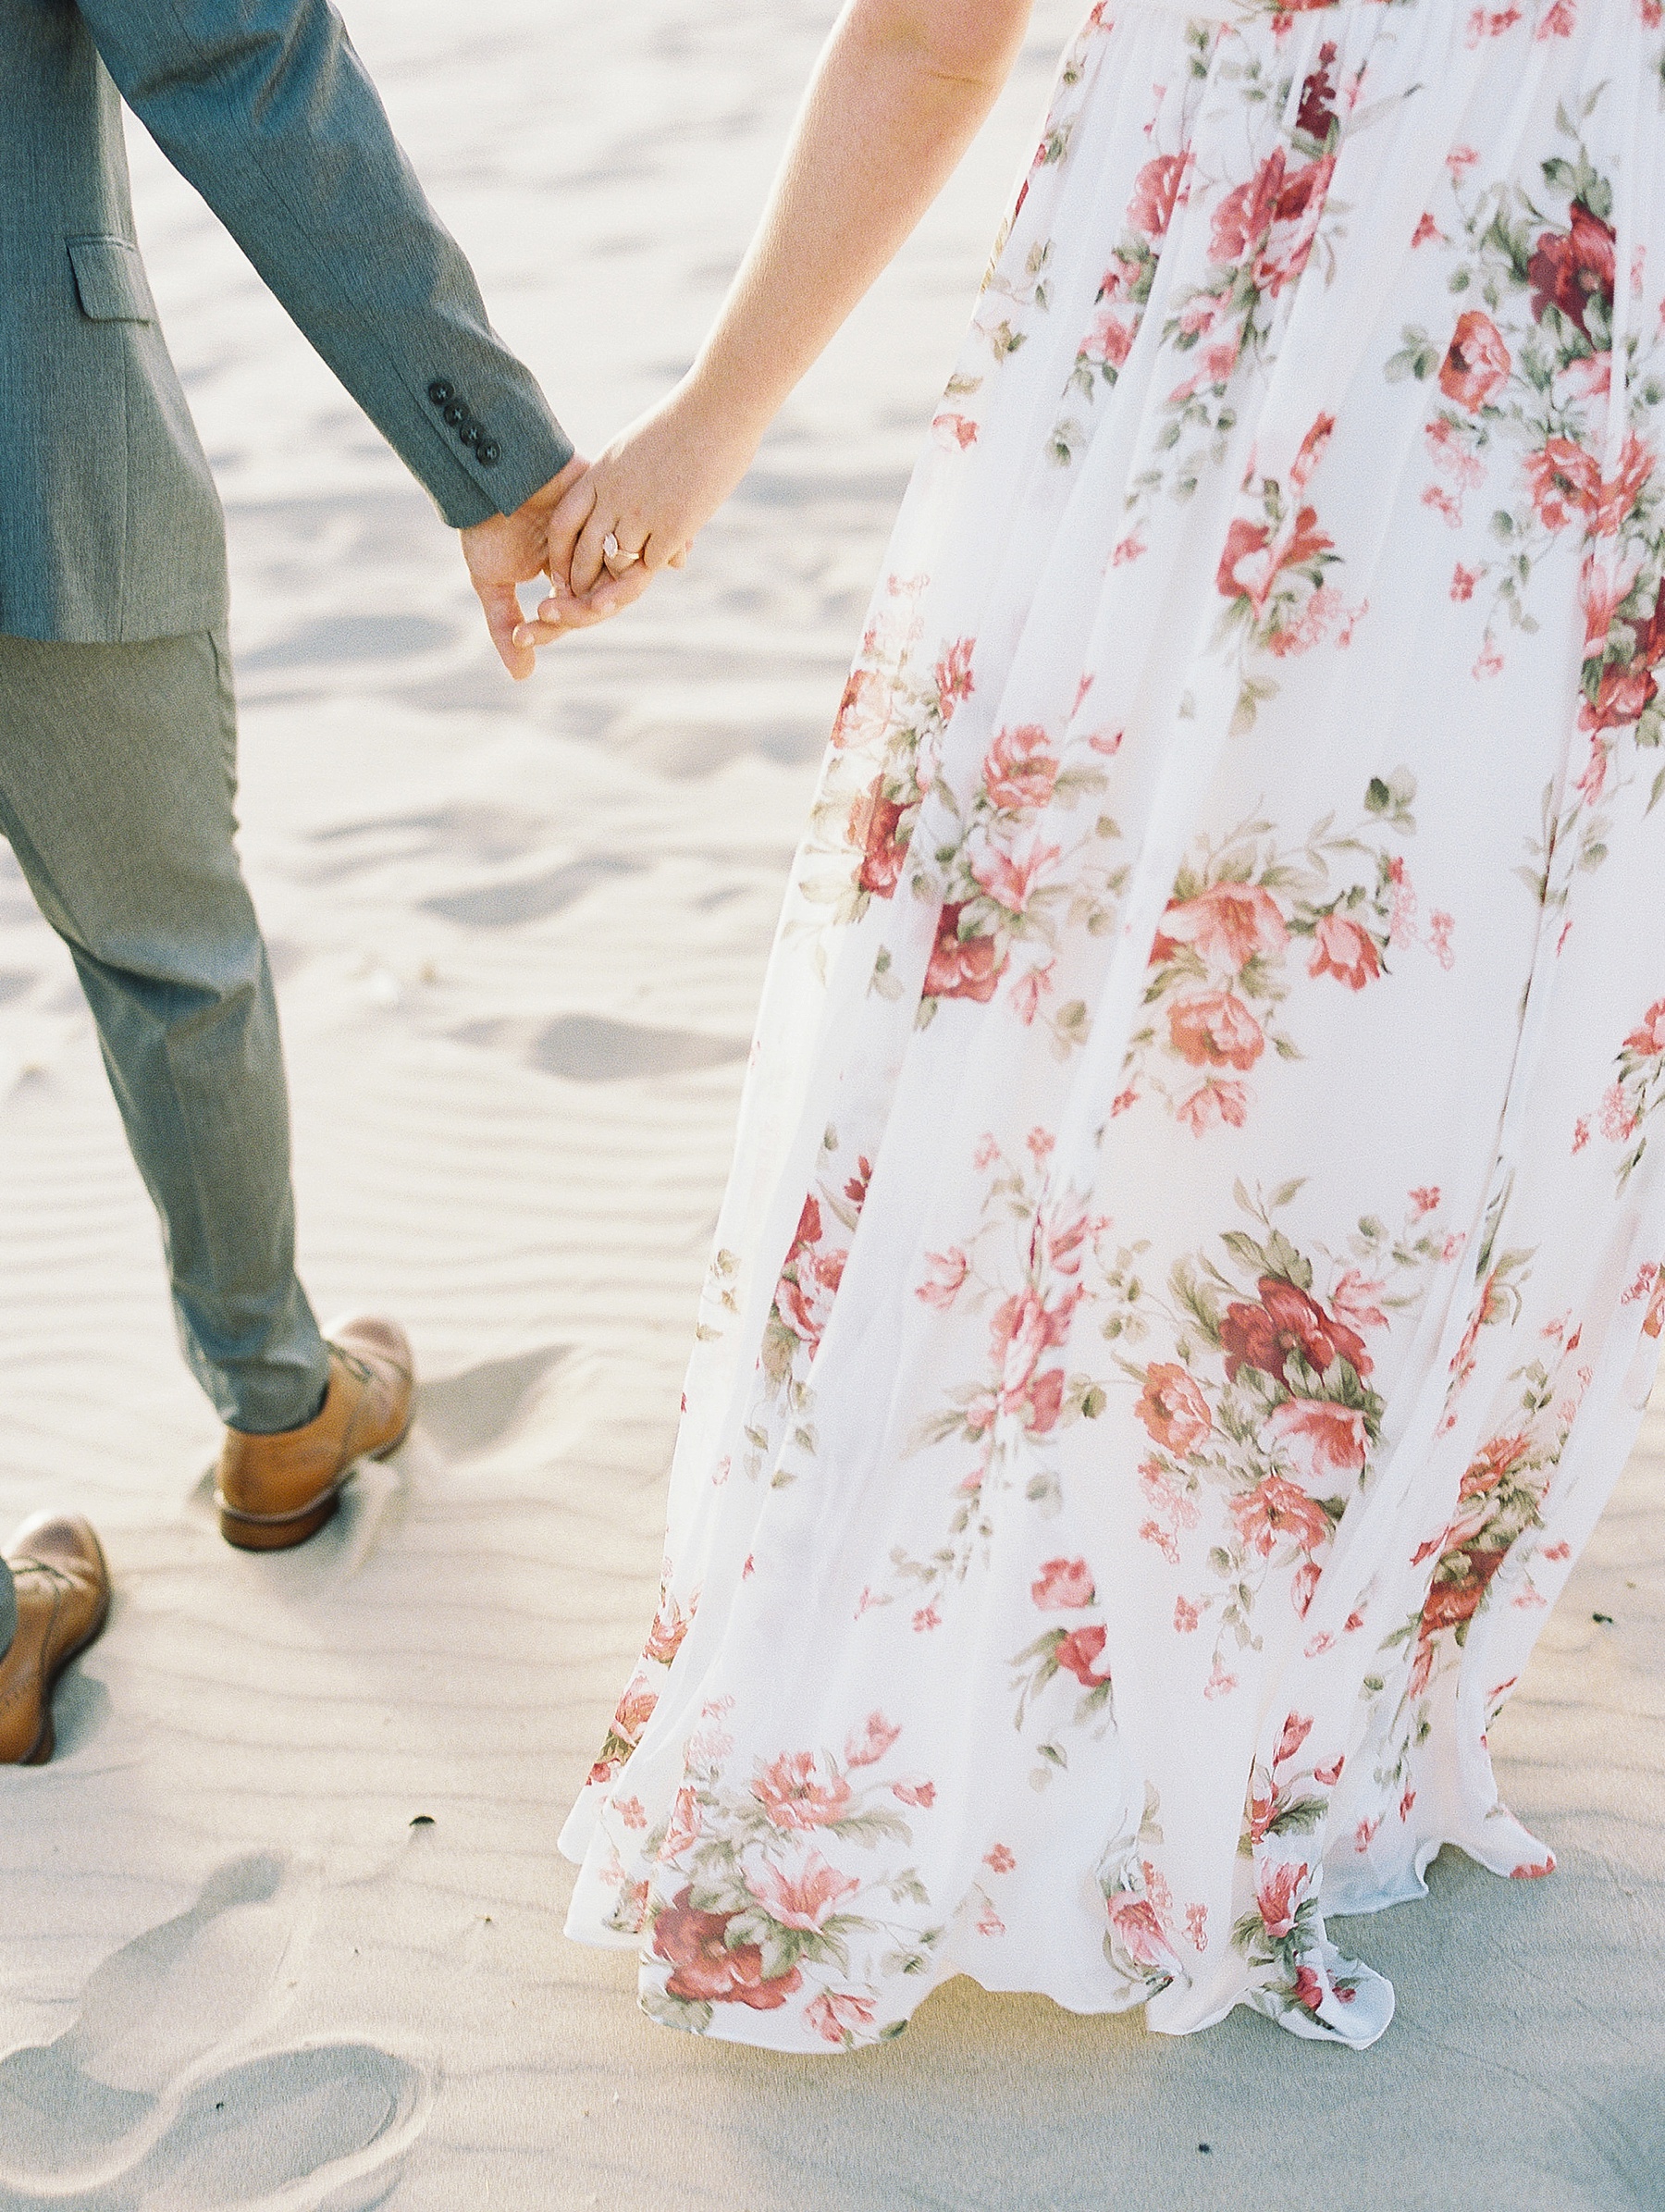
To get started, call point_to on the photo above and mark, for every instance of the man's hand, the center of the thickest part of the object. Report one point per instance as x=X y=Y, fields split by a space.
x=507 y=550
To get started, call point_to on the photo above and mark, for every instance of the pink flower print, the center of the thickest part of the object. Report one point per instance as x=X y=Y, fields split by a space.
x=1648 y=1036
x=987 y=1153
x=1297 y=1728
x=1279 y=1892
x=922 y=1793
x=1425 y=229
x=1021 y=769
x=1365 y=1834
x=1155 y=193
x=1559 y=22
x=1464 y=581
x=999 y=1860
x=1008 y=879
x=989 y=1922
x=1062 y=1584
x=954 y=433
x=1039 y=1145
x=954 y=677
x=1356 y=1301
x=1477 y=365
x=1310 y=626
x=926 y=1618
x=1219 y=1683
x=1031 y=988
x=1443 y=503
x=795 y=1793
x=632 y=1811
x=1405 y=1803
x=1214 y=1106
x=803 y=1899
x=1343 y=949
x=1173 y=1409
x=1617 y=1117
x=1440 y=926
x=1186 y=1615
x=1227 y=924
x=1140 y=1933
x=1303 y=1587
x=1196 y=1926
x=1276 y=1509
x=1320 y=1439
x=864 y=712
x=1109 y=338
x=876 y=1738
x=1079 y=1653
x=1327 y=1776
x=1311 y=452
x=683 y=1830
x=1214 y=1029
x=1310 y=1989
x=1426 y=1199
x=1581 y=1132
x=1534 y=1869
x=838 y=2014
x=1458 y=161
x=948 y=1271
x=962 y=967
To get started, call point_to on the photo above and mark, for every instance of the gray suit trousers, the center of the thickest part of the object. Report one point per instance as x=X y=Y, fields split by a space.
x=118 y=783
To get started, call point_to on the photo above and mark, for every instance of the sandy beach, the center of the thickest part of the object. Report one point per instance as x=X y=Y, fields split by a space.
x=282 y=1921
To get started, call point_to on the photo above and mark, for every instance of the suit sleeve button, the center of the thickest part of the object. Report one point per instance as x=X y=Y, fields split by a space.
x=439 y=392
x=487 y=453
x=470 y=432
x=455 y=411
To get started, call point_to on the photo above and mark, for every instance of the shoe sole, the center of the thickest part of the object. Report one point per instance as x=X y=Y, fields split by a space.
x=253 y=1532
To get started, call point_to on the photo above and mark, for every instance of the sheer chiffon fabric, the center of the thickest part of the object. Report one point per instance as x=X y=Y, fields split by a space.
x=1192 y=1265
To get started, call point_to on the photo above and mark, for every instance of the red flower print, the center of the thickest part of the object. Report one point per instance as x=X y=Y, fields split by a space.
x=1327 y=1776
x=1229 y=924
x=1316 y=113
x=1155 y=190
x=915 y=1793
x=670 y=1625
x=1566 y=483
x=999 y=1860
x=1007 y=878
x=954 y=677
x=794 y=1793
x=877 y=1736
x=1286 y=1320
x=1021 y=769
x=1137 y=1927
x=1061 y=1584
x=806 y=1293
x=1534 y=1869
x=1303 y=1587
x=1278 y=1891
x=1322 y=1439
x=1454 y=1600
x=1309 y=1989
x=1252 y=561
x=1343 y=949
x=1476 y=364
x=1354 y=1300
x=706 y=1969
x=1567 y=270
x=837 y=2013
x=875 y=828
x=805 y=1899
x=1045 y=1397
x=954 y=432
x=1109 y=339
x=1079 y=1653
x=969 y=969
x=1275 y=1508
x=1214 y=1029
x=1297 y=1728
x=1244 y=216
x=1174 y=1410
x=1186 y=1615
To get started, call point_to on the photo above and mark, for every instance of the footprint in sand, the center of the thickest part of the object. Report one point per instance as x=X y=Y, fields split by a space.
x=139 y=2106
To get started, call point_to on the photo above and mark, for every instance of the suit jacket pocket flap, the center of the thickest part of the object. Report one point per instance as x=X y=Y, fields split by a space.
x=110 y=279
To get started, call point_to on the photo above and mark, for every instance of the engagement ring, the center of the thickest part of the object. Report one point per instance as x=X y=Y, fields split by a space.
x=614 y=559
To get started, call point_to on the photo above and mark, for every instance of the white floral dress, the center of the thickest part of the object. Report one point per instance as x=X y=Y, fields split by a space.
x=1193 y=1262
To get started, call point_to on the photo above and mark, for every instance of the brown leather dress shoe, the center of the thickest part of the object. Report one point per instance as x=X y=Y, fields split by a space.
x=63 y=1591
x=275 y=1491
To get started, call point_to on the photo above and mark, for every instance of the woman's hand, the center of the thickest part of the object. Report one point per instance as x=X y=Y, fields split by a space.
x=642 y=504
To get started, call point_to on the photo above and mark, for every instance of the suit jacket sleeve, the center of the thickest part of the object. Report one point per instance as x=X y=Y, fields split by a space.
x=267 y=111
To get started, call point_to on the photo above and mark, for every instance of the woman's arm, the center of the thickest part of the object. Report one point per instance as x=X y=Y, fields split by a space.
x=897 y=95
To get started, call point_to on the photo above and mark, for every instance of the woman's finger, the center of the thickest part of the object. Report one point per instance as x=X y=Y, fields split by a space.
x=589 y=563
x=566 y=524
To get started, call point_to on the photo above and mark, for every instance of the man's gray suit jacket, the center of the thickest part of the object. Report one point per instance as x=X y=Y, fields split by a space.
x=110 y=528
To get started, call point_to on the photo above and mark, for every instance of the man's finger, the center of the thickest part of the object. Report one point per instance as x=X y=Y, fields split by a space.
x=502 y=619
